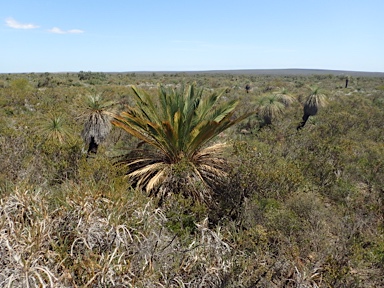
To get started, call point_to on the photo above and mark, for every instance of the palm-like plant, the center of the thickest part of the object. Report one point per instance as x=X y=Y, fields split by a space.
x=97 y=123
x=313 y=102
x=272 y=106
x=284 y=97
x=177 y=126
x=54 y=130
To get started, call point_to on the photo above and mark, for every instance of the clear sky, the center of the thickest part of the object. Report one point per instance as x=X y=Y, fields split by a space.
x=181 y=35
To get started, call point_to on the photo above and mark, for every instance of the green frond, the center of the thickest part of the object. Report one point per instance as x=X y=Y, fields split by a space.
x=138 y=133
x=223 y=111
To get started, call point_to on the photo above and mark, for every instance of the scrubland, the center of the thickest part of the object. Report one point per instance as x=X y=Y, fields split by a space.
x=300 y=208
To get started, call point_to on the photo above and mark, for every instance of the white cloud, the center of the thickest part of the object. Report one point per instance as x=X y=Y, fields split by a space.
x=14 y=24
x=57 y=30
x=75 y=31
x=10 y=22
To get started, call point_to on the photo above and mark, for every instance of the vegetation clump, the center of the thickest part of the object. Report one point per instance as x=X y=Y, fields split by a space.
x=312 y=103
x=178 y=125
x=97 y=122
x=275 y=207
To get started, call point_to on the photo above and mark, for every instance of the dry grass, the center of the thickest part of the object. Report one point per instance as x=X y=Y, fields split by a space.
x=95 y=242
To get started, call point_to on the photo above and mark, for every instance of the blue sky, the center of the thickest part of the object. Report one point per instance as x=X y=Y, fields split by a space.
x=180 y=35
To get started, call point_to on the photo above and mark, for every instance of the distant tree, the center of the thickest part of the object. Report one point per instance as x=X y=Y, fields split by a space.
x=91 y=75
x=346 y=81
x=312 y=103
x=82 y=75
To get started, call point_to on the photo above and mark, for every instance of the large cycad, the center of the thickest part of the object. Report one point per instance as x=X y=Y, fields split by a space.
x=312 y=103
x=177 y=125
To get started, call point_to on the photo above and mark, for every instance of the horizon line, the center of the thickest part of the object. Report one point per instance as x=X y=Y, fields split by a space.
x=228 y=71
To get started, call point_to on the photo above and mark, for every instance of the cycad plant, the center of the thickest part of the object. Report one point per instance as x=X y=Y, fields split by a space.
x=313 y=102
x=177 y=125
x=272 y=106
x=97 y=122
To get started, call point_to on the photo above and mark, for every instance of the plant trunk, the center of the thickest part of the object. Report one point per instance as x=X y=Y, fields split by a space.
x=267 y=120
x=92 y=149
x=302 y=123
x=310 y=110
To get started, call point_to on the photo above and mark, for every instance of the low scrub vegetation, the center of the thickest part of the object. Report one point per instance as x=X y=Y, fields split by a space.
x=214 y=180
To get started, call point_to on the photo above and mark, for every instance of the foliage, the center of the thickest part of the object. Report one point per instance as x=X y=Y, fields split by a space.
x=178 y=126
x=271 y=106
x=297 y=208
x=54 y=130
x=93 y=77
